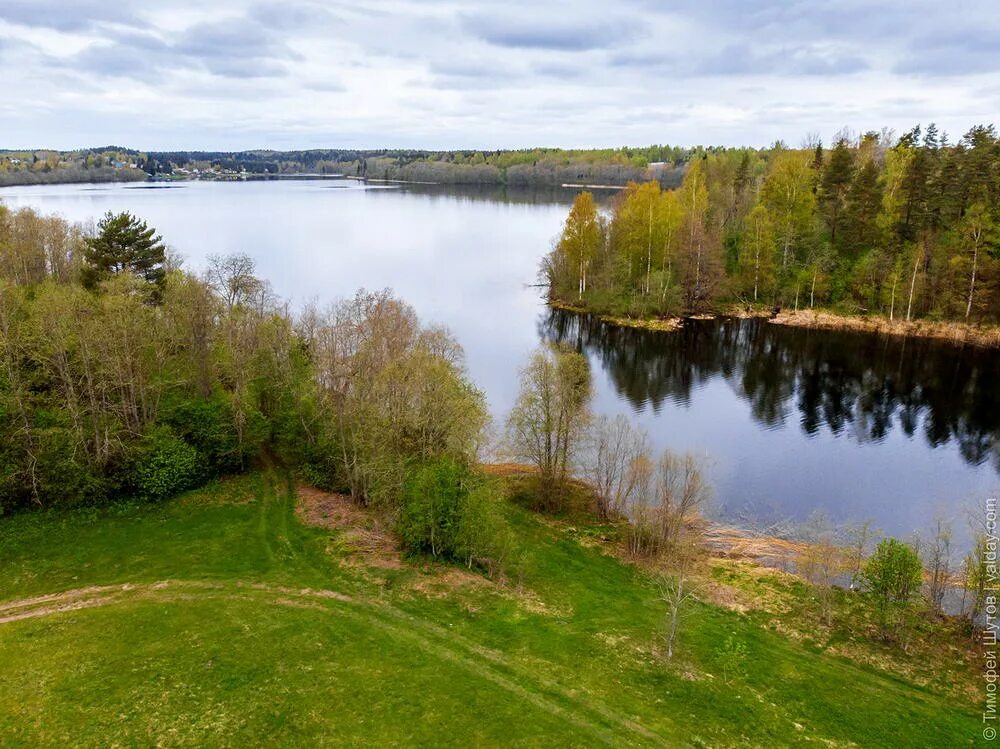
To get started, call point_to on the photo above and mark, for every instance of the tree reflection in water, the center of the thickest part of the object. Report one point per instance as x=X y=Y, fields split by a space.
x=846 y=381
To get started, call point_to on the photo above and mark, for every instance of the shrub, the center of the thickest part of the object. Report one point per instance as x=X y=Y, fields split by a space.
x=448 y=512
x=207 y=425
x=166 y=465
x=892 y=575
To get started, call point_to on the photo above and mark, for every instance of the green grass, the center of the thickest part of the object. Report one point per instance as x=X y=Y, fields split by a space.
x=240 y=649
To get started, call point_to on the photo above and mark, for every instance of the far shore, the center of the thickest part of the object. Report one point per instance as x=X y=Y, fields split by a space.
x=962 y=333
x=642 y=323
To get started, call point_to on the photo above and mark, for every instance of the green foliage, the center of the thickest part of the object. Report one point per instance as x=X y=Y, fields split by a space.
x=207 y=425
x=892 y=576
x=731 y=656
x=124 y=243
x=546 y=425
x=166 y=465
x=902 y=229
x=104 y=393
x=449 y=512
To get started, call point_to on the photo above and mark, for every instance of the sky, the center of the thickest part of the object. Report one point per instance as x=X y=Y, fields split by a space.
x=232 y=74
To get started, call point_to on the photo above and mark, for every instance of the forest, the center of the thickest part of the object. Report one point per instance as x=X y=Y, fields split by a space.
x=905 y=227
x=124 y=376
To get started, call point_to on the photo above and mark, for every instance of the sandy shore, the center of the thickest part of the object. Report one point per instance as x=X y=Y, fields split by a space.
x=987 y=336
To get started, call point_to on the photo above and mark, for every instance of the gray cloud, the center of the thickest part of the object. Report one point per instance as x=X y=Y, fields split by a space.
x=232 y=49
x=486 y=73
x=742 y=59
x=556 y=33
x=953 y=52
x=66 y=15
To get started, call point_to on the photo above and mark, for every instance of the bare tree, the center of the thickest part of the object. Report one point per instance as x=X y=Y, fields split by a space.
x=683 y=495
x=937 y=558
x=548 y=420
x=232 y=277
x=677 y=583
x=859 y=543
x=614 y=447
x=821 y=560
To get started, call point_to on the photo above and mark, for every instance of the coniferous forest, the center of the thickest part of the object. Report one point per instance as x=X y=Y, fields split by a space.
x=905 y=227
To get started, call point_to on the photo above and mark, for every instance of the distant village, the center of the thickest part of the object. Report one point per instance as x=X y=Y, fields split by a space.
x=28 y=167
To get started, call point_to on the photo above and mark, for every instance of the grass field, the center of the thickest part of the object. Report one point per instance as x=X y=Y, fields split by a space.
x=221 y=619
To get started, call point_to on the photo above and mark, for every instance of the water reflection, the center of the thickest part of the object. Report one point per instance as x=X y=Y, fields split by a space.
x=847 y=383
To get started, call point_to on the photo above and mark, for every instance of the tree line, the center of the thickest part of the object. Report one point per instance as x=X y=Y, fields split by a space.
x=904 y=227
x=520 y=167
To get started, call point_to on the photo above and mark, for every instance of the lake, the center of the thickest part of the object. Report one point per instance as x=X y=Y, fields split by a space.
x=789 y=421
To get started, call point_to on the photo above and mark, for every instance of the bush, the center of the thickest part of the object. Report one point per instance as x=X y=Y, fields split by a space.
x=166 y=465
x=892 y=576
x=207 y=425
x=448 y=512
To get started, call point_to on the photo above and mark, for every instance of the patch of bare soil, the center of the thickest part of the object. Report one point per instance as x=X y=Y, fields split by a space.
x=55 y=608
x=164 y=590
x=767 y=551
x=441 y=582
x=364 y=536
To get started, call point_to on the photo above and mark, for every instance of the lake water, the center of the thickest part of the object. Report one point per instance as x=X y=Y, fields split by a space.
x=790 y=421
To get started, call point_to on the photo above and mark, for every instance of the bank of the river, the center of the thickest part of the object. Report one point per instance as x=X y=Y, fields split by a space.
x=985 y=336
x=642 y=323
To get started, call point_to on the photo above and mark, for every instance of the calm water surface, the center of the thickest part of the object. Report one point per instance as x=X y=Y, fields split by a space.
x=791 y=421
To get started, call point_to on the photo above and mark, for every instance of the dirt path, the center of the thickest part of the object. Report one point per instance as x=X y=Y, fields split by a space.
x=601 y=723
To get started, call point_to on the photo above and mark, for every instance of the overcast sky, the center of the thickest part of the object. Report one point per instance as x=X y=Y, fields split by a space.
x=227 y=74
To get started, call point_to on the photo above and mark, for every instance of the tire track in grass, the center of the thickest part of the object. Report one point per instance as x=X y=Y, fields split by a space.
x=286 y=496
x=597 y=721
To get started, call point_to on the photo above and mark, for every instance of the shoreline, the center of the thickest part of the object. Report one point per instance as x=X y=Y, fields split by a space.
x=983 y=336
x=954 y=332
x=662 y=324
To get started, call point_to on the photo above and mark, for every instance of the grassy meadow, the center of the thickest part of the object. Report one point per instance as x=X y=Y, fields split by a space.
x=231 y=617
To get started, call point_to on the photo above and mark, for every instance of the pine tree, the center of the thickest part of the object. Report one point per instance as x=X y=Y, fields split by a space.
x=124 y=243
x=860 y=233
x=834 y=185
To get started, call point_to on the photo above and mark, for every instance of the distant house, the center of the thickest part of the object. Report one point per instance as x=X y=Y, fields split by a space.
x=117 y=164
x=657 y=166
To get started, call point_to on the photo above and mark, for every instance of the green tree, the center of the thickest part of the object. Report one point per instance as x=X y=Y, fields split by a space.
x=787 y=195
x=124 y=243
x=892 y=576
x=700 y=264
x=978 y=234
x=757 y=253
x=449 y=512
x=581 y=239
x=861 y=231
